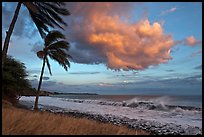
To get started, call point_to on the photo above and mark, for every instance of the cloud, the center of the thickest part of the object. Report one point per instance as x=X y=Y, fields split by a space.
x=45 y=84
x=196 y=53
x=191 y=41
x=35 y=76
x=170 y=82
x=36 y=46
x=173 y=9
x=104 y=33
x=170 y=70
x=24 y=26
x=186 y=85
x=105 y=85
x=84 y=73
x=46 y=78
x=54 y=86
x=198 y=67
x=7 y=13
x=188 y=41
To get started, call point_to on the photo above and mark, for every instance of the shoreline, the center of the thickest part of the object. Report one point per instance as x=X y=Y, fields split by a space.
x=153 y=127
x=18 y=119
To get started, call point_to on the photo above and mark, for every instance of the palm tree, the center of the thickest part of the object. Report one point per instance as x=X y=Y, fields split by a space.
x=43 y=14
x=57 y=50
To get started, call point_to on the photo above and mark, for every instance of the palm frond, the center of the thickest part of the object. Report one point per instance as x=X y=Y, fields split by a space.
x=40 y=24
x=59 y=3
x=64 y=45
x=53 y=36
x=60 y=53
x=31 y=7
x=46 y=14
x=49 y=12
x=48 y=65
x=52 y=20
x=62 y=60
x=57 y=8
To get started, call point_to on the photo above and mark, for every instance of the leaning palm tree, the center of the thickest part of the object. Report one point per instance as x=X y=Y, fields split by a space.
x=43 y=14
x=57 y=49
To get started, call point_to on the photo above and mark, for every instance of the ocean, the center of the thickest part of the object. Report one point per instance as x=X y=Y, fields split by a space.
x=184 y=111
x=179 y=100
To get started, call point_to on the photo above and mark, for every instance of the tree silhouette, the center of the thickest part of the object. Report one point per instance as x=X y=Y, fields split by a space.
x=43 y=14
x=14 y=81
x=57 y=49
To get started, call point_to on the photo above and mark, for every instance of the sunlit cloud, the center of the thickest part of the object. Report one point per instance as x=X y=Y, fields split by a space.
x=102 y=36
x=191 y=41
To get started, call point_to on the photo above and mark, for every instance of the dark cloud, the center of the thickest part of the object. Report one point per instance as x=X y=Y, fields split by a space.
x=84 y=54
x=171 y=82
x=45 y=84
x=185 y=85
x=175 y=49
x=170 y=70
x=46 y=78
x=60 y=87
x=36 y=46
x=7 y=13
x=135 y=72
x=35 y=76
x=198 y=67
x=83 y=73
x=24 y=26
x=152 y=85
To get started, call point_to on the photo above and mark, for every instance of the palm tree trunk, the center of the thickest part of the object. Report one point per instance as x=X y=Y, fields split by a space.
x=9 y=32
x=39 y=85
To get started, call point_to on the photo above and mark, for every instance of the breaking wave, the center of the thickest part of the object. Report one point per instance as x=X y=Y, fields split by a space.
x=159 y=104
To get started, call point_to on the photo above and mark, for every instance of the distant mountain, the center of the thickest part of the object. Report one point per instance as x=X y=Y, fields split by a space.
x=60 y=93
x=48 y=93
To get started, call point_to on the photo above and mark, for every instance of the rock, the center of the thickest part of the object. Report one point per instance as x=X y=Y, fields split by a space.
x=154 y=127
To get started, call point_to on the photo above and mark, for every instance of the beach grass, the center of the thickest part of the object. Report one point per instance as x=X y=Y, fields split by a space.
x=19 y=121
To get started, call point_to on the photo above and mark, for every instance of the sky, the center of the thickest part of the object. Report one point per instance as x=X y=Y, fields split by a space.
x=117 y=48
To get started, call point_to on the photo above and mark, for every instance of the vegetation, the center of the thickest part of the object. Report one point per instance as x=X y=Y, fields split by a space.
x=57 y=49
x=43 y=14
x=14 y=79
x=18 y=121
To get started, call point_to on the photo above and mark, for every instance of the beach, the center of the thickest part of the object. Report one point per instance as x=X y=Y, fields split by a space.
x=21 y=121
x=155 y=117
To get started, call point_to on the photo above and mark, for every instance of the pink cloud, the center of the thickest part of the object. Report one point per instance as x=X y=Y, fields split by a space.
x=100 y=35
x=191 y=41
